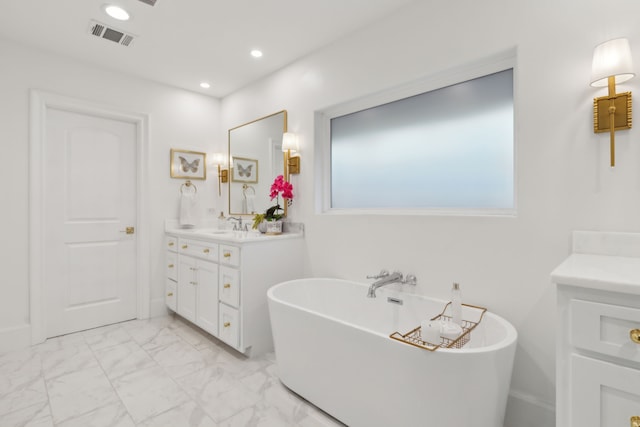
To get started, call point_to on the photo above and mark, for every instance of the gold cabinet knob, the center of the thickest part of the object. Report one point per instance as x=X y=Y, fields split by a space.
x=171 y=243
x=170 y=294
x=206 y=251
x=227 y=285
x=194 y=283
x=634 y=334
x=635 y=421
x=227 y=254
x=170 y=266
x=226 y=324
x=185 y=246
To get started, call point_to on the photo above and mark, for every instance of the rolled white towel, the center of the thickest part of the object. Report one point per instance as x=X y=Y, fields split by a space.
x=251 y=205
x=188 y=209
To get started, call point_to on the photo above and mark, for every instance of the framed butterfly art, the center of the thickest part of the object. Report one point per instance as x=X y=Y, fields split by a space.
x=244 y=170
x=188 y=164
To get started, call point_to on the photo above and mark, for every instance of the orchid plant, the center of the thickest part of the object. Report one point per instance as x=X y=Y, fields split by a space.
x=280 y=187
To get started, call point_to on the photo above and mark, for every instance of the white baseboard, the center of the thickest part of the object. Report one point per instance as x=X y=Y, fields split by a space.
x=158 y=308
x=525 y=410
x=15 y=338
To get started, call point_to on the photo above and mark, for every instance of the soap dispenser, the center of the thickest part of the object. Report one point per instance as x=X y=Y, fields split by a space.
x=222 y=221
x=456 y=304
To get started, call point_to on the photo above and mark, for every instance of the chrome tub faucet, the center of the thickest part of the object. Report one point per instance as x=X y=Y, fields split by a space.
x=384 y=278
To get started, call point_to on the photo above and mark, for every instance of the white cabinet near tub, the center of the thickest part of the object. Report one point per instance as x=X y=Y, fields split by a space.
x=598 y=342
x=222 y=283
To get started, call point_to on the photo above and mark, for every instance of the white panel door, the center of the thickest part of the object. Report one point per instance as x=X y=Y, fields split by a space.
x=89 y=202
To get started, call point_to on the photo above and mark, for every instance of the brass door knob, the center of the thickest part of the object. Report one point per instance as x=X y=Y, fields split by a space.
x=170 y=294
x=227 y=324
x=184 y=246
x=171 y=243
x=227 y=254
x=194 y=283
x=227 y=285
x=206 y=251
x=635 y=421
x=170 y=266
x=634 y=334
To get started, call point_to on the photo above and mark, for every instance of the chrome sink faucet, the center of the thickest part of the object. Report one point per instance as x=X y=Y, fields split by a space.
x=237 y=226
x=384 y=278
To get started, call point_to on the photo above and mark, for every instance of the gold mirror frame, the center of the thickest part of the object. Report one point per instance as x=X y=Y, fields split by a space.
x=259 y=166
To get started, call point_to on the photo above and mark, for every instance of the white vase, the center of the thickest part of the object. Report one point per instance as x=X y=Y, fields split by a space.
x=274 y=227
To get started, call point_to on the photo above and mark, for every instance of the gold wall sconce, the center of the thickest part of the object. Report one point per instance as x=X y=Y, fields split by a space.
x=290 y=146
x=219 y=160
x=612 y=65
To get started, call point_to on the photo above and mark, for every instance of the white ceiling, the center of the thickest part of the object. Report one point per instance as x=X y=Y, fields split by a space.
x=184 y=42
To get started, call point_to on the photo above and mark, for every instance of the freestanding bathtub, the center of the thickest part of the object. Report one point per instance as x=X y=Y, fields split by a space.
x=333 y=348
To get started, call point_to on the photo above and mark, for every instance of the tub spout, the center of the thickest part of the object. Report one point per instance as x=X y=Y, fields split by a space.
x=395 y=277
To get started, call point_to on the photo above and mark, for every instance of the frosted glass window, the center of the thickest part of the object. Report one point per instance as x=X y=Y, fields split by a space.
x=451 y=148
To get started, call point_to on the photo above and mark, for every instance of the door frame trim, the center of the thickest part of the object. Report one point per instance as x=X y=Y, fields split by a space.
x=40 y=103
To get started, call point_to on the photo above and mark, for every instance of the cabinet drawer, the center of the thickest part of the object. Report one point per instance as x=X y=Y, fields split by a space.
x=605 y=328
x=229 y=290
x=170 y=295
x=230 y=255
x=229 y=325
x=171 y=243
x=605 y=394
x=196 y=248
x=171 y=260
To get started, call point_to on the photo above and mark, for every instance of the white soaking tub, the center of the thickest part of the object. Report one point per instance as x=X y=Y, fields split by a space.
x=333 y=348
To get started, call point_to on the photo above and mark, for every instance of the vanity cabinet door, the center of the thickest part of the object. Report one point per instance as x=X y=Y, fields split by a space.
x=170 y=297
x=187 y=287
x=604 y=394
x=229 y=325
x=229 y=291
x=207 y=297
x=171 y=260
x=230 y=255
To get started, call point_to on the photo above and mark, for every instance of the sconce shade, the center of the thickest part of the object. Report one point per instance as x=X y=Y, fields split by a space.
x=289 y=141
x=611 y=59
x=219 y=159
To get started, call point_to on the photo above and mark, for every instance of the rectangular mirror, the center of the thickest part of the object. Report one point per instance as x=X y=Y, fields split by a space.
x=255 y=159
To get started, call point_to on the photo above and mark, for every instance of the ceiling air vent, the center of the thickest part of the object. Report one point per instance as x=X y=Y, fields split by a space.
x=150 y=2
x=101 y=30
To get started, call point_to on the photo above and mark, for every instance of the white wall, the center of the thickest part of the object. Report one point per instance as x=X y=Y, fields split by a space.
x=564 y=182
x=177 y=119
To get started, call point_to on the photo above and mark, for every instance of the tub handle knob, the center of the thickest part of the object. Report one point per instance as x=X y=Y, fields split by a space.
x=383 y=273
x=410 y=279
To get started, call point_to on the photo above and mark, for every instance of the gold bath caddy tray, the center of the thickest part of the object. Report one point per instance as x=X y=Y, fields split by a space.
x=414 y=337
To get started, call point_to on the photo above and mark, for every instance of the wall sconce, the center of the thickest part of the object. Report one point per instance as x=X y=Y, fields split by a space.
x=289 y=146
x=223 y=174
x=612 y=65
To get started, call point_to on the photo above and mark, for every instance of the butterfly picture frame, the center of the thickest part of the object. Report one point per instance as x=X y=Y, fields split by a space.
x=244 y=170
x=188 y=164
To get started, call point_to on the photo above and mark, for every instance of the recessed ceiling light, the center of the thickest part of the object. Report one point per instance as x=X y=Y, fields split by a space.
x=116 y=12
x=205 y=85
x=256 y=53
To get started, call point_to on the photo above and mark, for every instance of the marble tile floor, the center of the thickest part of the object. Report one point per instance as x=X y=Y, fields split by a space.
x=161 y=372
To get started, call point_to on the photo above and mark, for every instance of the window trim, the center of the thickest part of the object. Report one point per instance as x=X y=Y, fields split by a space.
x=489 y=65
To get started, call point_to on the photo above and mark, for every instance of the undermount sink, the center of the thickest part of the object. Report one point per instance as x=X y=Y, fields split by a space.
x=219 y=232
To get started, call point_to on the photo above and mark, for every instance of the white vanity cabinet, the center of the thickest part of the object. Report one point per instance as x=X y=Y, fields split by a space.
x=222 y=284
x=598 y=341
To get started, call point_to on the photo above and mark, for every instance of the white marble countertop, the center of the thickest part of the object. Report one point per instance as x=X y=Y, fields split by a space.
x=605 y=272
x=602 y=260
x=229 y=236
